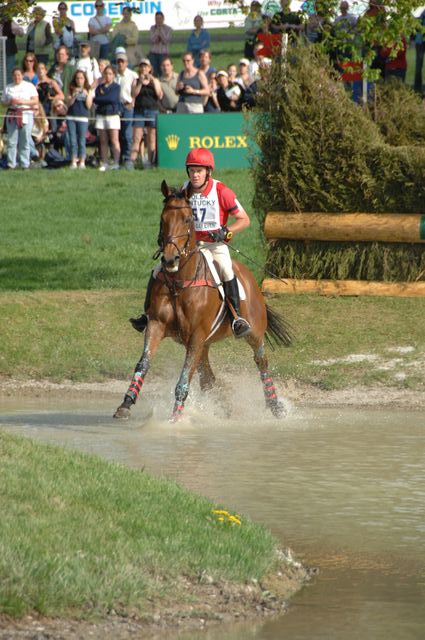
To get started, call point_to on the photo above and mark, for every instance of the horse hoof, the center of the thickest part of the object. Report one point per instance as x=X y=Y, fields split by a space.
x=122 y=413
x=278 y=409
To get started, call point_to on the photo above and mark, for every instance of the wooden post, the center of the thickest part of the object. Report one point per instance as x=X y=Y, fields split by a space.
x=345 y=287
x=352 y=227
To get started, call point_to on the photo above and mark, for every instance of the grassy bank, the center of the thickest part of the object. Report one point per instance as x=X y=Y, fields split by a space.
x=80 y=536
x=340 y=342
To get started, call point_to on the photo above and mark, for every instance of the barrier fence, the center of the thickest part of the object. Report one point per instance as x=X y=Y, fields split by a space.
x=345 y=227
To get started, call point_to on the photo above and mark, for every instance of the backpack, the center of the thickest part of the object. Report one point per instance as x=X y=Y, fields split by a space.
x=54 y=160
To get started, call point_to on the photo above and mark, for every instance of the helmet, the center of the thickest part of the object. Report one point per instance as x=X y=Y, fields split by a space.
x=200 y=158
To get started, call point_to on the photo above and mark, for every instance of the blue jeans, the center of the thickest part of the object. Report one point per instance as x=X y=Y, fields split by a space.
x=10 y=65
x=18 y=142
x=156 y=59
x=104 y=52
x=126 y=133
x=77 y=137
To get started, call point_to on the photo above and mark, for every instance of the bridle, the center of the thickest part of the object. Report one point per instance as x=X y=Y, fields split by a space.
x=182 y=252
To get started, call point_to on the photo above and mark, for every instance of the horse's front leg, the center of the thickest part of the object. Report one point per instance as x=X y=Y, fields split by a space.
x=154 y=335
x=193 y=357
x=206 y=375
x=273 y=403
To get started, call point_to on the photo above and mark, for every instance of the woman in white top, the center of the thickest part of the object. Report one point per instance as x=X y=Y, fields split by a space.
x=20 y=97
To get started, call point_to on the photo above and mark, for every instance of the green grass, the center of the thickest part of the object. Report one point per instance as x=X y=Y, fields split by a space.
x=60 y=230
x=81 y=536
x=75 y=257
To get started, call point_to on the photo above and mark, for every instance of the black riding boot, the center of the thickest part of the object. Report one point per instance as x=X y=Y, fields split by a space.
x=240 y=326
x=141 y=322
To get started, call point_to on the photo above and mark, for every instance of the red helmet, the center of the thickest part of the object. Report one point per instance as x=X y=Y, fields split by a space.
x=200 y=158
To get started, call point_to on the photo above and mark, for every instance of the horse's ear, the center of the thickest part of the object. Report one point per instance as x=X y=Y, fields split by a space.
x=186 y=192
x=166 y=191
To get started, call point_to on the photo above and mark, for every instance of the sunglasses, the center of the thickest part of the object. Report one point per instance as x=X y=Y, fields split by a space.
x=29 y=59
x=99 y=6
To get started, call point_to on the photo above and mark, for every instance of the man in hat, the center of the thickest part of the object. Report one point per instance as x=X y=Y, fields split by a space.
x=125 y=78
x=39 y=36
x=88 y=64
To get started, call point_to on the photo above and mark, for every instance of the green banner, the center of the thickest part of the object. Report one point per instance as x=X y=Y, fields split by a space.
x=225 y=134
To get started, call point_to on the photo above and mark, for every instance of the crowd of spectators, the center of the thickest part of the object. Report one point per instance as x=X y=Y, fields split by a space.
x=104 y=92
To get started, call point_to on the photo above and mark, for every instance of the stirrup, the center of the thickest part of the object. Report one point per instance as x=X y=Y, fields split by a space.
x=240 y=327
x=139 y=323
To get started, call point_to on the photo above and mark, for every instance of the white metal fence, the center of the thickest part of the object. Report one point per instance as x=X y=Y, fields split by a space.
x=2 y=64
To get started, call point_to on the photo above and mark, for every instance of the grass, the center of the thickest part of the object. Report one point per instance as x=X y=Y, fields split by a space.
x=75 y=257
x=80 y=536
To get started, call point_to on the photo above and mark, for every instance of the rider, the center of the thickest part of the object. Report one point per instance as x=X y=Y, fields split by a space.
x=212 y=203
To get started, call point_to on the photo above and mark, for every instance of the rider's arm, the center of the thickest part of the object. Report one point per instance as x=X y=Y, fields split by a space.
x=241 y=222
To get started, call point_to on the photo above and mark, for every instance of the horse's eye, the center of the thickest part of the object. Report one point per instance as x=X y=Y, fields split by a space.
x=188 y=220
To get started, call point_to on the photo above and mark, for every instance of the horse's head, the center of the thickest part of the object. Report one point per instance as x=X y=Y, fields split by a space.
x=177 y=234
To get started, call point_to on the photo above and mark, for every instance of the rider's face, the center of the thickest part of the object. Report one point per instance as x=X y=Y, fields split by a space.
x=198 y=176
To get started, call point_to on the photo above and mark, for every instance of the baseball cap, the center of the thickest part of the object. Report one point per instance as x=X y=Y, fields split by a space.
x=145 y=61
x=121 y=56
x=119 y=50
x=222 y=73
x=244 y=61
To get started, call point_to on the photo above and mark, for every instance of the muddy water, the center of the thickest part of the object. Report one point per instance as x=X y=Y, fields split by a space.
x=344 y=489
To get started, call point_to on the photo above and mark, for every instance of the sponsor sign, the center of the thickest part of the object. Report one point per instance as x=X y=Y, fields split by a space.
x=178 y=14
x=225 y=134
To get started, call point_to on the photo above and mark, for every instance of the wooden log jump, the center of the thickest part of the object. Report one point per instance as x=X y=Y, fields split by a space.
x=342 y=227
x=345 y=287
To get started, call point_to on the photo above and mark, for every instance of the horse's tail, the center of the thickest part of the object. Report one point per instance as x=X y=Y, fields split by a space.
x=279 y=332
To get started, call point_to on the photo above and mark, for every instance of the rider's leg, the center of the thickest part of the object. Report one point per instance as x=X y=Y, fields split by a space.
x=240 y=326
x=140 y=323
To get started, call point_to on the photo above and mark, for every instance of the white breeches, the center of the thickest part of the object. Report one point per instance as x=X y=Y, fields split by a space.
x=219 y=252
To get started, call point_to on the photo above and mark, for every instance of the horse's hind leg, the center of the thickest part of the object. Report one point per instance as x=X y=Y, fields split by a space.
x=206 y=375
x=275 y=405
x=152 y=339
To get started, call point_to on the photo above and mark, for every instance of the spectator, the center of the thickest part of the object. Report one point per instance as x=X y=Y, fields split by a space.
x=64 y=29
x=99 y=27
x=192 y=87
x=88 y=64
x=79 y=100
x=147 y=93
x=39 y=35
x=260 y=62
x=271 y=41
x=62 y=71
x=376 y=13
x=9 y=29
x=244 y=77
x=168 y=82
x=212 y=105
x=420 y=51
x=232 y=72
x=20 y=97
x=103 y=63
x=47 y=89
x=108 y=107
x=125 y=78
x=253 y=23
x=40 y=131
x=346 y=21
x=396 y=66
x=230 y=95
x=205 y=62
x=287 y=21
x=29 y=68
x=198 y=40
x=59 y=129
x=160 y=38
x=126 y=34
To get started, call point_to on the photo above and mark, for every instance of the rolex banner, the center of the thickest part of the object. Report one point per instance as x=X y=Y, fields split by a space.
x=225 y=134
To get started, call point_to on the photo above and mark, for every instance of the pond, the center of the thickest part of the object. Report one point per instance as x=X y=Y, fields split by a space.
x=343 y=488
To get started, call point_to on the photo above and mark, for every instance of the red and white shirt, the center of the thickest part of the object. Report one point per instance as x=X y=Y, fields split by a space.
x=212 y=207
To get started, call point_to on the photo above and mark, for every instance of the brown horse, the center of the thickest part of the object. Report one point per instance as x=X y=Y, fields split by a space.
x=186 y=305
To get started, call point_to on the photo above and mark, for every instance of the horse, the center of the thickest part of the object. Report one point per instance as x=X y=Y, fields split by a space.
x=186 y=305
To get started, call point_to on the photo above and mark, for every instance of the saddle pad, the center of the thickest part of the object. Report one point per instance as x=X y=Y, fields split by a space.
x=216 y=277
